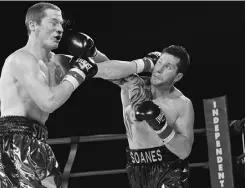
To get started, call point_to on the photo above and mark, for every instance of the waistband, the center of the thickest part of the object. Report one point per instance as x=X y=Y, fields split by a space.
x=150 y=155
x=22 y=125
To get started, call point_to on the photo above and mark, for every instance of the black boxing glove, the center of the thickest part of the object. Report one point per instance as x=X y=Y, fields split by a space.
x=155 y=117
x=81 y=45
x=147 y=63
x=81 y=70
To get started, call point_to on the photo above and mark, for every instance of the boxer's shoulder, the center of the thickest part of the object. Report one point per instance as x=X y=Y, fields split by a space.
x=134 y=79
x=181 y=98
x=20 y=58
x=182 y=102
x=62 y=57
x=128 y=81
x=146 y=80
x=177 y=95
x=177 y=100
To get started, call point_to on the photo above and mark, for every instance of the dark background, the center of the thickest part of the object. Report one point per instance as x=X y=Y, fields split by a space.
x=212 y=32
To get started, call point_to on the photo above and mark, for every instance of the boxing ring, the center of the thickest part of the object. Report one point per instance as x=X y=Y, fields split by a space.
x=75 y=140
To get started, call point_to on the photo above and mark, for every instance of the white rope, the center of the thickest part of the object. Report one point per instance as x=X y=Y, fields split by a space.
x=121 y=171
x=95 y=138
x=243 y=142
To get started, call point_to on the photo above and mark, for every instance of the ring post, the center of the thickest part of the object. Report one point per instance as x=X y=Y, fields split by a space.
x=219 y=148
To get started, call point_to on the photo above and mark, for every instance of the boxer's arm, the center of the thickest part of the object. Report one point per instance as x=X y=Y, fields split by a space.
x=134 y=90
x=26 y=70
x=181 y=143
x=115 y=69
x=100 y=57
x=126 y=85
x=125 y=100
x=62 y=64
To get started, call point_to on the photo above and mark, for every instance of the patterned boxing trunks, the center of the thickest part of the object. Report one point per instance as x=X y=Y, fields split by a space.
x=25 y=158
x=156 y=168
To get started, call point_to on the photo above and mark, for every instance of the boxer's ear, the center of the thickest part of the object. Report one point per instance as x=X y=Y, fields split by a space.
x=32 y=26
x=178 y=77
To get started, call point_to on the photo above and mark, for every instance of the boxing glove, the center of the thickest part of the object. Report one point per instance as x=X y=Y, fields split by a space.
x=154 y=56
x=147 y=63
x=81 y=70
x=81 y=45
x=155 y=117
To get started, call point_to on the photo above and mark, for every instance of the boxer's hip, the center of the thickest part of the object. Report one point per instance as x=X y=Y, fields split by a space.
x=24 y=154
x=153 y=166
x=20 y=125
x=148 y=156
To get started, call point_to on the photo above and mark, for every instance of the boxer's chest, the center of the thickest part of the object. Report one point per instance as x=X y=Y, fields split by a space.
x=140 y=134
x=52 y=73
x=169 y=108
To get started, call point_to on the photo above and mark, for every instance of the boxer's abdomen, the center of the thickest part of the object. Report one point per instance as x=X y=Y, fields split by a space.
x=15 y=100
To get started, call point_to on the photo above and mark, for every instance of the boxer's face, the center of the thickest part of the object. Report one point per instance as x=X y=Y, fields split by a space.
x=165 y=71
x=50 y=30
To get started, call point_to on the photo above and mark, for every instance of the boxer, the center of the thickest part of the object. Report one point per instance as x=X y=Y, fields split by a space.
x=158 y=119
x=34 y=83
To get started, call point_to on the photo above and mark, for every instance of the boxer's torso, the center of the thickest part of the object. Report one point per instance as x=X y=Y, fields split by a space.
x=15 y=99
x=140 y=135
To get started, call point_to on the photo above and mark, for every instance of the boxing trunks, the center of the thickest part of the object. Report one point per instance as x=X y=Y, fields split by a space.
x=25 y=158
x=156 y=168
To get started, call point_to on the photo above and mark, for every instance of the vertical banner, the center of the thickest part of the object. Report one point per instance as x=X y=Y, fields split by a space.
x=218 y=139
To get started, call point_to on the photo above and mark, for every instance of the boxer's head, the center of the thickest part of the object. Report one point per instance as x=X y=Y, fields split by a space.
x=44 y=24
x=171 y=66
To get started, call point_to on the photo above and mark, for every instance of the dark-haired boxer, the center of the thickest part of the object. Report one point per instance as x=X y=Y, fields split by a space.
x=159 y=121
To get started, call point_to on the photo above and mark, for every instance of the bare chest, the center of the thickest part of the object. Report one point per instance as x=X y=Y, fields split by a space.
x=51 y=73
x=170 y=109
x=141 y=128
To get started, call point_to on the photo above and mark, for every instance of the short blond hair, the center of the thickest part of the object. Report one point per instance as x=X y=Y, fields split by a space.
x=36 y=12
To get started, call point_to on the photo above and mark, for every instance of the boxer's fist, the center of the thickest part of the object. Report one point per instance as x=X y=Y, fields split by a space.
x=147 y=63
x=155 y=117
x=150 y=111
x=88 y=66
x=154 y=56
x=81 y=45
x=81 y=70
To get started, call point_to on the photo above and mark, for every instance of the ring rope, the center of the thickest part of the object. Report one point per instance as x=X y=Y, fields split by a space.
x=95 y=138
x=120 y=171
x=74 y=140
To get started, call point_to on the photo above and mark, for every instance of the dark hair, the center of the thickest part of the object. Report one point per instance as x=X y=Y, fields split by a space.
x=37 y=11
x=181 y=53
